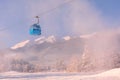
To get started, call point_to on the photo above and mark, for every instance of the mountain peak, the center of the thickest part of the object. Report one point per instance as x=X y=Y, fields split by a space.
x=21 y=44
x=51 y=39
x=67 y=38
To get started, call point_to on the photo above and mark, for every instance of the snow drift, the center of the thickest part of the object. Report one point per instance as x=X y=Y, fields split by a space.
x=108 y=75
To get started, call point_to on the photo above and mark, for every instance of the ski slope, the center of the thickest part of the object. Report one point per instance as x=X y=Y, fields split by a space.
x=113 y=74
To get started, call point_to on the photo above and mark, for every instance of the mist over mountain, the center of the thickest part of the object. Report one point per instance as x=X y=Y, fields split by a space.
x=48 y=50
x=97 y=51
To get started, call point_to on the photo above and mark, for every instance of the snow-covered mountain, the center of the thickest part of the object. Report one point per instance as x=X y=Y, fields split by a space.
x=50 y=48
x=50 y=39
x=45 y=42
x=86 y=51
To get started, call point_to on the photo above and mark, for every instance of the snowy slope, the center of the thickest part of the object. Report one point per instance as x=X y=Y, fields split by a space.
x=113 y=74
x=87 y=36
x=50 y=49
x=21 y=44
x=50 y=39
x=50 y=43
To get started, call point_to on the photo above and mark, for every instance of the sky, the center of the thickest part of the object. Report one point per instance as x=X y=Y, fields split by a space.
x=74 y=19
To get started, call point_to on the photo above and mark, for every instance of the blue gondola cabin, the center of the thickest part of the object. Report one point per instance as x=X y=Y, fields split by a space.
x=35 y=29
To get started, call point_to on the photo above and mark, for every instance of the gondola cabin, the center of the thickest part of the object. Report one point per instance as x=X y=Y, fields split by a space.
x=35 y=29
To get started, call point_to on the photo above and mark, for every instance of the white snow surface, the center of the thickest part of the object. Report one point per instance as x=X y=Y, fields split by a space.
x=67 y=38
x=50 y=39
x=40 y=40
x=88 y=35
x=21 y=44
x=113 y=74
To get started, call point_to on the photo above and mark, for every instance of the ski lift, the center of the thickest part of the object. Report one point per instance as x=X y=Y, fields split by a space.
x=35 y=29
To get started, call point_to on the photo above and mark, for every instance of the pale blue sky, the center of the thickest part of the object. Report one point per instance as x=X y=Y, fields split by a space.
x=110 y=9
x=71 y=19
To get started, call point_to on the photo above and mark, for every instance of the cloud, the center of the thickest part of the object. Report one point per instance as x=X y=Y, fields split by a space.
x=83 y=18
